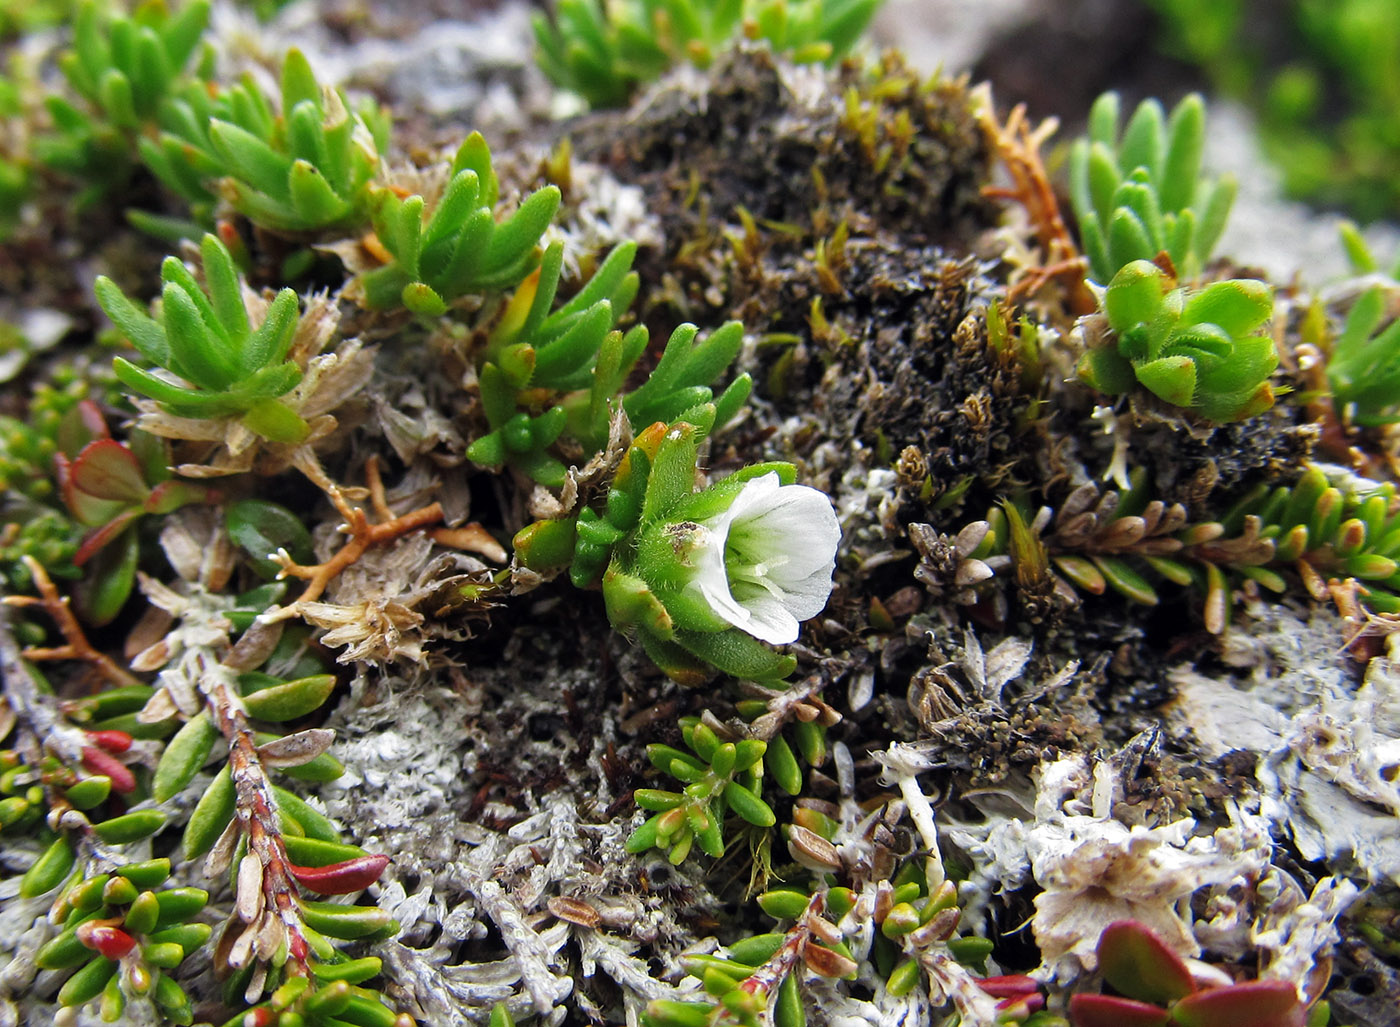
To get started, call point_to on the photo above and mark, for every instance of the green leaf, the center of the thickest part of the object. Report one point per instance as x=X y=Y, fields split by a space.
x=336 y=920
x=749 y=806
x=178 y=905
x=225 y=293
x=291 y=699
x=275 y=421
x=1171 y=378
x=1214 y=212
x=48 y=871
x=211 y=815
x=1106 y=371
x=262 y=527
x=315 y=824
x=738 y=654
x=1125 y=580
x=1238 y=306
x=313 y=852
x=108 y=580
x=183 y=757
x=257 y=163
x=87 y=983
x=781 y=764
x=474 y=155
x=298 y=81
x=130 y=827
x=1135 y=295
x=576 y=347
x=1142 y=142
x=630 y=603
x=196 y=352
x=1128 y=239
x=673 y=470
x=517 y=236
x=1186 y=133
x=145 y=334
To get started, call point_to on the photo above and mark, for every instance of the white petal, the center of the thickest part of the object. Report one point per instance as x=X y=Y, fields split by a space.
x=786 y=537
x=726 y=607
x=807 y=597
x=770 y=620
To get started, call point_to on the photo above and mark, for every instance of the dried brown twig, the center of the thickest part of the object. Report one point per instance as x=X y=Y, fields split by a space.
x=1018 y=146
x=362 y=534
x=75 y=645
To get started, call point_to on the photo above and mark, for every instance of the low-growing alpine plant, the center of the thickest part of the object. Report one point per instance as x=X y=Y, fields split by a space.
x=704 y=578
x=1141 y=193
x=460 y=247
x=605 y=50
x=1206 y=350
x=175 y=783
x=306 y=165
x=225 y=366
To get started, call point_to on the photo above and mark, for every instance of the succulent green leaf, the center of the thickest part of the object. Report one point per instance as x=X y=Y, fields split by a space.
x=183 y=757
x=291 y=699
x=211 y=815
x=1171 y=378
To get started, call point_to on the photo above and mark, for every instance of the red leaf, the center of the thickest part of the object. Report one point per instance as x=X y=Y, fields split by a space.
x=104 y=763
x=341 y=878
x=1112 y=1011
x=108 y=470
x=80 y=426
x=1253 y=1004
x=1138 y=963
x=86 y=509
x=112 y=942
x=115 y=742
x=97 y=538
x=1009 y=985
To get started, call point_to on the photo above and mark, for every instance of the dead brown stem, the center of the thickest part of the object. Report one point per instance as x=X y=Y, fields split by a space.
x=76 y=646
x=1018 y=146
x=362 y=534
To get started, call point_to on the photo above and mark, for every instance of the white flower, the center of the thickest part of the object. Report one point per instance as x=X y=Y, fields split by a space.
x=766 y=563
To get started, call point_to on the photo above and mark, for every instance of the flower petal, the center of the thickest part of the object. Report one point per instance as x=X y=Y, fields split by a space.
x=768 y=560
x=770 y=619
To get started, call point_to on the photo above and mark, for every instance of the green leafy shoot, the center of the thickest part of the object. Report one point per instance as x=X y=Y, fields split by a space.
x=1140 y=192
x=562 y=374
x=461 y=247
x=1204 y=350
x=307 y=168
x=1360 y=256
x=121 y=937
x=225 y=366
x=720 y=778
x=124 y=67
x=1363 y=368
x=603 y=51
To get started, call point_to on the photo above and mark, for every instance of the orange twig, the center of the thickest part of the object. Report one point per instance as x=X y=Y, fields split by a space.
x=76 y=646
x=1018 y=146
x=362 y=534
